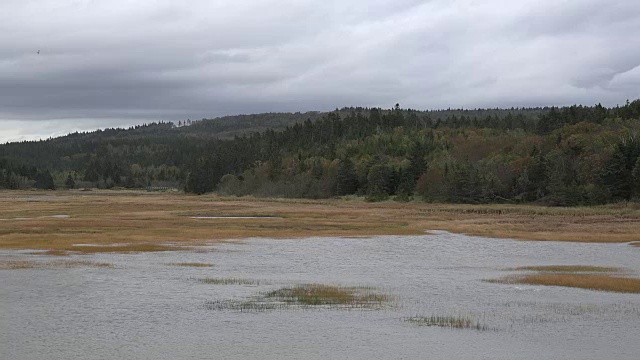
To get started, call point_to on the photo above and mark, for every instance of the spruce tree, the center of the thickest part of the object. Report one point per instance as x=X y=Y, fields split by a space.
x=70 y=183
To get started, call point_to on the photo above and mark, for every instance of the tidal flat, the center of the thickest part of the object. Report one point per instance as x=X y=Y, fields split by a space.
x=132 y=275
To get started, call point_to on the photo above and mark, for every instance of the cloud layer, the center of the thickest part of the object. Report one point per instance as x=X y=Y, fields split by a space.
x=112 y=63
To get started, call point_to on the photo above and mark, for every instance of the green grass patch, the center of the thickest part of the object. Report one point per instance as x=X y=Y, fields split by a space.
x=316 y=294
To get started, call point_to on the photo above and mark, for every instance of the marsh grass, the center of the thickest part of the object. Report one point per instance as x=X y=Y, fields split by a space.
x=228 y=215
x=227 y=281
x=451 y=322
x=57 y=264
x=148 y=221
x=192 y=264
x=317 y=294
x=244 y=306
x=582 y=281
x=569 y=269
x=302 y=297
x=532 y=210
x=127 y=248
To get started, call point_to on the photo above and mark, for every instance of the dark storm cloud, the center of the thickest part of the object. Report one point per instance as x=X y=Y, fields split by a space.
x=116 y=63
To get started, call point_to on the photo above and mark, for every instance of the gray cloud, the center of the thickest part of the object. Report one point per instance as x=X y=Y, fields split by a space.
x=115 y=63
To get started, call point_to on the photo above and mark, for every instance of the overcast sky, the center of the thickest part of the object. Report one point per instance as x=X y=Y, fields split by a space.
x=106 y=63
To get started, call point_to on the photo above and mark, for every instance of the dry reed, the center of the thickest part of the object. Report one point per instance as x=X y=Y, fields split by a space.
x=569 y=268
x=582 y=281
x=127 y=248
x=148 y=221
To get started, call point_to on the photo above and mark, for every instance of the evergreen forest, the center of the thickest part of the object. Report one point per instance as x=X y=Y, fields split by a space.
x=564 y=156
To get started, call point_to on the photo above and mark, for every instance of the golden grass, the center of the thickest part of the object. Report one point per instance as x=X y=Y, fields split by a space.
x=316 y=294
x=582 y=281
x=126 y=248
x=569 y=268
x=58 y=264
x=148 y=221
x=192 y=264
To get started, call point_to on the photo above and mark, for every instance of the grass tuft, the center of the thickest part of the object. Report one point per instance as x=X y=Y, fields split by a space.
x=451 y=322
x=243 y=306
x=228 y=281
x=192 y=264
x=301 y=297
x=316 y=294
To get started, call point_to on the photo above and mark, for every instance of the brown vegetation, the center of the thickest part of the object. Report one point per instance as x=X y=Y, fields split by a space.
x=583 y=281
x=148 y=221
x=570 y=268
x=126 y=248
x=58 y=264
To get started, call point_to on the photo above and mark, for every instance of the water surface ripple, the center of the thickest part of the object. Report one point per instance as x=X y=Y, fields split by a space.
x=145 y=308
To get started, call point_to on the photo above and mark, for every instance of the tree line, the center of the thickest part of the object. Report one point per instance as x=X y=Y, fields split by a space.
x=561 y=156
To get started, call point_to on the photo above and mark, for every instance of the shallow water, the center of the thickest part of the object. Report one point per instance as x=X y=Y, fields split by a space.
x=146 y=308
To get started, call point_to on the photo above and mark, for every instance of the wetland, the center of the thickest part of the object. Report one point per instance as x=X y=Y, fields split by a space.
x=325 y=279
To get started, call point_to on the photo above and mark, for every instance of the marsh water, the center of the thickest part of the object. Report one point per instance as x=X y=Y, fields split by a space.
x=146 y=308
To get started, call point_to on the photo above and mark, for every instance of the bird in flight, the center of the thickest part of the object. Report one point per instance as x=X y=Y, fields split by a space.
x=38 y=52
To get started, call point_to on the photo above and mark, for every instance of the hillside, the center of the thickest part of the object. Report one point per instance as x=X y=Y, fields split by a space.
x=570 y=155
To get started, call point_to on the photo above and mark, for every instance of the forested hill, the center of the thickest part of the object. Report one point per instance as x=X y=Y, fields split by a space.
x=55 y=154
x=563 y=156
